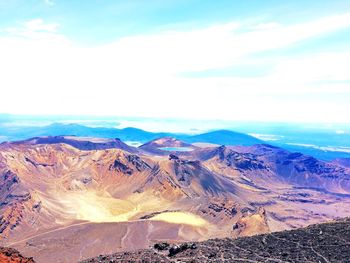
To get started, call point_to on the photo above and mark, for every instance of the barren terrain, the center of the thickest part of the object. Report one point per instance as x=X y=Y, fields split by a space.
x=65 y=199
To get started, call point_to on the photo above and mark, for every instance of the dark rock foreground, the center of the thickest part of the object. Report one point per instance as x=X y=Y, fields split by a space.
x=10 y=255
x=321 y=243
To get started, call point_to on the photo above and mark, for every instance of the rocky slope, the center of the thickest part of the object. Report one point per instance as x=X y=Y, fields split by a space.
x=342 y=161
x=321 y=243
x=68 y=198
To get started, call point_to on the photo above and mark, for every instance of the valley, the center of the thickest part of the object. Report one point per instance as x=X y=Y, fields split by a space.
x=66 y=198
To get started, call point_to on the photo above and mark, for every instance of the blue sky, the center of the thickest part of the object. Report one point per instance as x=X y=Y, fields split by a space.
x=230 y=60
x=101 y=21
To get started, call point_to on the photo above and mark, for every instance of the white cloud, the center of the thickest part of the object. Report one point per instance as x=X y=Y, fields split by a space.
x=340 y=132
x=35 y=29
x=36 y=25
x=324 y=148
x=43 y=72
x=267 y=137
x=49 y=2
x=266 y=26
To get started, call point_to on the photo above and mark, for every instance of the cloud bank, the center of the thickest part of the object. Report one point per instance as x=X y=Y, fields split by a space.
x=44 y=72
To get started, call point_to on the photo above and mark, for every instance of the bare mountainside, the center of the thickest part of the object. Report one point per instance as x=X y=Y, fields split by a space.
x=65 y=199
x=321 y=243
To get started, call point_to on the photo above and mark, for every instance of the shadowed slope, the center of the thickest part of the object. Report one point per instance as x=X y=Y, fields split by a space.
x=277 y=166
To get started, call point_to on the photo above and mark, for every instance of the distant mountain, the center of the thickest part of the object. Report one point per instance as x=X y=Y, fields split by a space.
x=126 y=134
x=15 y=133
x=220 y=137
x=224 y=137
x=81 y=143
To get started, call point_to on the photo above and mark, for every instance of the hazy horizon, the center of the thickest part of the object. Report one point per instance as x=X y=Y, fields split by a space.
x=181 y=125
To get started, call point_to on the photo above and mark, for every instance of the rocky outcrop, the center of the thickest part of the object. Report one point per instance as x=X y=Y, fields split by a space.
x=129 y=163
x=8 y=182
x=10 y=255
x=234 y=159
x=12 y=199
x=251 y=223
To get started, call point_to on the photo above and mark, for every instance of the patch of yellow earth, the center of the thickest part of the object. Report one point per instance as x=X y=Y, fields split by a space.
x=91 y=206
x=180 y=218
x=94 y=208
x=100 y=206
x=248 y=187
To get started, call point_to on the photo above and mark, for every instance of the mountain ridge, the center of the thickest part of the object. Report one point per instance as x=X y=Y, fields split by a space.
x=125 y=134
x=62 y=187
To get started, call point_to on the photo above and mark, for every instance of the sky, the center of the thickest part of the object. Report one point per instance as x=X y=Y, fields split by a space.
x=192 y=59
